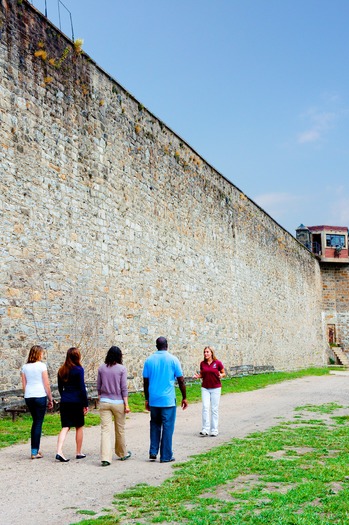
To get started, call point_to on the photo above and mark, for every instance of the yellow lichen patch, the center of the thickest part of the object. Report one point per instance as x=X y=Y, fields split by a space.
x=41 y=53
x=84 y=89
x=78 y=45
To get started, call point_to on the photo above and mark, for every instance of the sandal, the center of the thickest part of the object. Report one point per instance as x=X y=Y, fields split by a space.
x=128 y=455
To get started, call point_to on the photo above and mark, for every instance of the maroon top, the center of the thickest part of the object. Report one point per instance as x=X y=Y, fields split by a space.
x=209 y=374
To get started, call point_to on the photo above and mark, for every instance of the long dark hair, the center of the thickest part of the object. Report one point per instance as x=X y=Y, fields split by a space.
x=114 y=356
x=72 y=359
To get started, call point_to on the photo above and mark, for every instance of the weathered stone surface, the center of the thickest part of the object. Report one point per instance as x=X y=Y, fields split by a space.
x=115 y=231
x=335 y=304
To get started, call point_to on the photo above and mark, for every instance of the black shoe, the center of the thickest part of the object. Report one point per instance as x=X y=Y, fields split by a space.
x=128 y=455
x=80 y=456
x=60 y=458
x=152 y=457
x=105 y=463
x=167 y=460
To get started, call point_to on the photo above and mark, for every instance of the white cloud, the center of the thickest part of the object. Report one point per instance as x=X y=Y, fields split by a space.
x=276 y=203
x=274 y=198
x=311 y=135
x=319 y=122
x=283 y=207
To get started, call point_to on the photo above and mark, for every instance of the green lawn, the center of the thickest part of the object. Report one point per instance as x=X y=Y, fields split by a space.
x=296 y=473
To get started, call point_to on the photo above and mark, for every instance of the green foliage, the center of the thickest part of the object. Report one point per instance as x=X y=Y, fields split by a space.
x=136 y=402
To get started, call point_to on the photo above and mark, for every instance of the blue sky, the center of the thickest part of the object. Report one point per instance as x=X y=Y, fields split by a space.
x=259 y=88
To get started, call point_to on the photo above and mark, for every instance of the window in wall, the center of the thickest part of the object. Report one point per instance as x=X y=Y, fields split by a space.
x=332 y=241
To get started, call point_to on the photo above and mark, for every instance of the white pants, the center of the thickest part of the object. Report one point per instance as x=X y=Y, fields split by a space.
x=210 y=404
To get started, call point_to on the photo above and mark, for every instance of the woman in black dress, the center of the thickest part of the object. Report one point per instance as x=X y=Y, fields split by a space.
x=74 y=403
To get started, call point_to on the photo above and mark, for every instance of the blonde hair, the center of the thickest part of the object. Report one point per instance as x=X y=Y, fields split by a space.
x=212 y=350
x=35 y=354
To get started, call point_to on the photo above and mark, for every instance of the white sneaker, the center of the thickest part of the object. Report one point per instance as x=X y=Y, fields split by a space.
x=203 y=433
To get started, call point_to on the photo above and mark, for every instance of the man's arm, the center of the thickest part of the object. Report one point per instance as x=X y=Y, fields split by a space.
x=183 y=390
x=146 y=392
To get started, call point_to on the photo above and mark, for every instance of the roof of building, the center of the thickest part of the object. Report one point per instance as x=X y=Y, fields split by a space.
x=324 y=227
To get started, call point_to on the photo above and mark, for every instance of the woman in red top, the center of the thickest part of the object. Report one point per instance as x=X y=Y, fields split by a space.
x=211 y=373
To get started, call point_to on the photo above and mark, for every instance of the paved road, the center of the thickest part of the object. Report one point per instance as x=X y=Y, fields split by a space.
x=45 y=492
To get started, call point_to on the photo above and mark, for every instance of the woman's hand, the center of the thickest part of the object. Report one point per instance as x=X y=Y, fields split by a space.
x=85 y=410
x=197 y=376
x=127 y=409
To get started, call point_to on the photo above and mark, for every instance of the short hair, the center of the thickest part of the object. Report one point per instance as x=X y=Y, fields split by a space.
x=35 y=354
x=212 y=350
x=161 y=343
x=114 y=356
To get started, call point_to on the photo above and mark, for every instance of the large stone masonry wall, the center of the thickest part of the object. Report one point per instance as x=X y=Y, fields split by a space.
x=114 y=231
x=335 y=279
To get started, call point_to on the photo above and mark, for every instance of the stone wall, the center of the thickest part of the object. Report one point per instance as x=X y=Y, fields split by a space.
x=335 y=279
x=115 y=231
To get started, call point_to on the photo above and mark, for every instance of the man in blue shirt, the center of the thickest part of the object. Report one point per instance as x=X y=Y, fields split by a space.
x=160 y=372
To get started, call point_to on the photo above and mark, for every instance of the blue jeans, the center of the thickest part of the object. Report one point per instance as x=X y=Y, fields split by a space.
x=162 y=422
x=37 y=408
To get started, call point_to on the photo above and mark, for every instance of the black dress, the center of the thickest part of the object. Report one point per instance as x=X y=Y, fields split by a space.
x=73 y=398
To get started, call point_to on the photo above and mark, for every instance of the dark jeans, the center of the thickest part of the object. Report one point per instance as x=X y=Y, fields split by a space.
x=37 y=408
x=162 y=422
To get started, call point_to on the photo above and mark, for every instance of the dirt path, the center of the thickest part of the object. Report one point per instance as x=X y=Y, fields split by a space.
x=45 y=492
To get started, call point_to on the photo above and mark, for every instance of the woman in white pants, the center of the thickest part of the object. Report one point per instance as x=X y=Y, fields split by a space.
x=211 y=373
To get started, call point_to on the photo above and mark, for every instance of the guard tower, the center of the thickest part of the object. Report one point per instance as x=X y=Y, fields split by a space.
x=329 y=243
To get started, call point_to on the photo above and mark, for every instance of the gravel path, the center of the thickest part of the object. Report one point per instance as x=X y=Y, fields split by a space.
x=45 y=492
